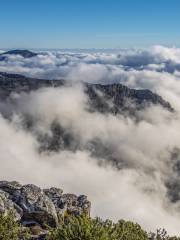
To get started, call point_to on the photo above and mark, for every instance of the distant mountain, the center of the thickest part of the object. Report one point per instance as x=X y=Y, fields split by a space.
x=23 y=53
x=114 y=98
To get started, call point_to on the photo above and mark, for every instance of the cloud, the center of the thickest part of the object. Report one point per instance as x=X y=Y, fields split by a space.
x=157 y=68
x=128 y=169
x=143 y=162
x=62 y=64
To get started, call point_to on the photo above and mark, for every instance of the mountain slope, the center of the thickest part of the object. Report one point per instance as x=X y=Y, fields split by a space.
x=113 y=98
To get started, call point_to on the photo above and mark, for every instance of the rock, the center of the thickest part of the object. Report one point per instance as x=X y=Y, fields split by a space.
x=10 y=187
x=6 y=206
x=69 y=199
x=69 y=203
x=36 y=207
x=84 y=204
x=75 y=205
x=53 y=193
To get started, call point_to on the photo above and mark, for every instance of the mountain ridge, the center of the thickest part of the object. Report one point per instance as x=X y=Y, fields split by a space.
x=99 y=94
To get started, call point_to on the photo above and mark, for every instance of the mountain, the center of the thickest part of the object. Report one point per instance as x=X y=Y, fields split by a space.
x=114 y=98
x=23 y=53
x=111 y=98
x=117 y=98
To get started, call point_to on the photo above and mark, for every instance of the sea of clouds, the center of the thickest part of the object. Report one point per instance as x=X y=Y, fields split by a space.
x=145 y=187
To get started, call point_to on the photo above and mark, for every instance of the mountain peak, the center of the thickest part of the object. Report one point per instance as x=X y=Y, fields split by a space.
x=22 y=52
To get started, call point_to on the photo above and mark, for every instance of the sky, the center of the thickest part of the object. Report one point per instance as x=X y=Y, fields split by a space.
x=53 y=24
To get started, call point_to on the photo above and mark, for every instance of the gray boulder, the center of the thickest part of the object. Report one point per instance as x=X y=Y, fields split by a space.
x=32 y=205
x=36 y=206
x=10 y=187
x=7 y=205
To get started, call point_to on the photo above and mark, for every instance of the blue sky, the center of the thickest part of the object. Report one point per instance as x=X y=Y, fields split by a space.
x=89 y=23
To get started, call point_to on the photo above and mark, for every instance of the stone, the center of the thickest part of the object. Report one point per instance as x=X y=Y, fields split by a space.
x=7 y=205
x=10 y=187
x=37 y=206
x=33 y=206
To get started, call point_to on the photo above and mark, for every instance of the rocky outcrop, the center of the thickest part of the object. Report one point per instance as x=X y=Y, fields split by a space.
x=33 y=205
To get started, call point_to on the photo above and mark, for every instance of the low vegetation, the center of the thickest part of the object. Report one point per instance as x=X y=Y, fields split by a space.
x=85 y=228
x=82 y=228
x=11 y=229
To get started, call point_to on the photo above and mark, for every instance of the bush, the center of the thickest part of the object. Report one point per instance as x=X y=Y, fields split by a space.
x=81 y=228
x=10 y=229
x=85 y=228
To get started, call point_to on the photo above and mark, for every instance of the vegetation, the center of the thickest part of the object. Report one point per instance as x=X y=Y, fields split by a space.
x=82 y=228
x=85 y=228
x=10 y=229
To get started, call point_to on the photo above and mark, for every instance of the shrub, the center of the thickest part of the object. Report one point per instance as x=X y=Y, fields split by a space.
x=81 y=228
x=85 y=228
x=10 y=229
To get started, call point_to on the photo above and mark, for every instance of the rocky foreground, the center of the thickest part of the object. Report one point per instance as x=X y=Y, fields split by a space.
x=28 y=212
x=35 y=206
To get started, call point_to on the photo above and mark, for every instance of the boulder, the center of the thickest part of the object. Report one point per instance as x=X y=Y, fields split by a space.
x=7 y=205
x=10 y=187
x=34 y=206
x=37 y=206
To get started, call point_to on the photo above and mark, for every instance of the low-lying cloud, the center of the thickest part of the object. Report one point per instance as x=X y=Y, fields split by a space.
x=128 y=169
x=157 y=68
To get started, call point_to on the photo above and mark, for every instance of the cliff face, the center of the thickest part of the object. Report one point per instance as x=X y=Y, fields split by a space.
x=33 y=205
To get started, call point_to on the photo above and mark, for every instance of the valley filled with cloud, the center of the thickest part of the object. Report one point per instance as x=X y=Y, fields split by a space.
x=127 y=166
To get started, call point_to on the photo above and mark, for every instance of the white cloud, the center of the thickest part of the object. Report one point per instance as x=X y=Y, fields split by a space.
x=137 y=190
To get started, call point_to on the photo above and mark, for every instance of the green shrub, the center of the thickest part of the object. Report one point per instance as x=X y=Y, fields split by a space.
x=81 y=228
x=10 y=229
x=85 y=228
x=127 y=230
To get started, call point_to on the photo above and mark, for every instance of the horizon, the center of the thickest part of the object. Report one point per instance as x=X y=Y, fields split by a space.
x=86 y=50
